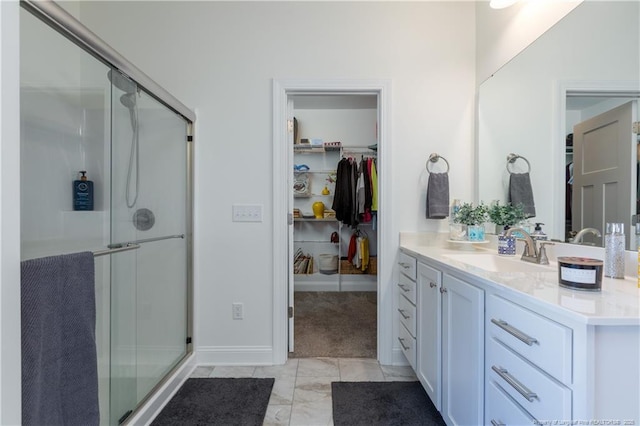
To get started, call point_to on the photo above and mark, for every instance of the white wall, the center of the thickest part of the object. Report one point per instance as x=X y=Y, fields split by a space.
x=503 y=33
x=220 y=58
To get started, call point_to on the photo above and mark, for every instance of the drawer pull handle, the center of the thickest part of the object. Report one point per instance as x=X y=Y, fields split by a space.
x=443 y=290
x=432 y=284
x=497 y=423
x=522 y=389
x=515 y=332
x=405 y=316
x=405 y=289
x=405 y=265
x=404 y=348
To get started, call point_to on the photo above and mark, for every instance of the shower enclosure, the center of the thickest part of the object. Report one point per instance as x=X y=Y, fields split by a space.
x=80 y=112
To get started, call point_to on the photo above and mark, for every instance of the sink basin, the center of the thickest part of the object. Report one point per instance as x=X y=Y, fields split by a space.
x=495 y=263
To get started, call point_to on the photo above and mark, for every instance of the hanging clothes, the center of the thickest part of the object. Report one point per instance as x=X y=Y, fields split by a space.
x=374 y=187
x=364 y=253
x=342 y=199
x=355 y=193
x=351 y=252
x=345 y=194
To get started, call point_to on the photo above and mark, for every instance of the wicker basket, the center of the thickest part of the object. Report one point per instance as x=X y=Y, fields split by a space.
x=347 y=267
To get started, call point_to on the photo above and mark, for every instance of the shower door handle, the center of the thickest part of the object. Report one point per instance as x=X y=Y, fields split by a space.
x=126 y=247
x=146 y=240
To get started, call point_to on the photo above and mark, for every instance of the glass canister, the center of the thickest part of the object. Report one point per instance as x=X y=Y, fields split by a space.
x=614 y=242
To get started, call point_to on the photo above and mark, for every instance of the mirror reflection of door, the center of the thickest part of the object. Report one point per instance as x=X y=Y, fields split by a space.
x=605 y=171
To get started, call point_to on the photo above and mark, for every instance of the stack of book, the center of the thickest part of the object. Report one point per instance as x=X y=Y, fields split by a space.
x=302 y=263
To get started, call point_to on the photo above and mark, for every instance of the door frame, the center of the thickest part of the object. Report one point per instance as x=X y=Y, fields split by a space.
x=282 y=89
x=559 y=117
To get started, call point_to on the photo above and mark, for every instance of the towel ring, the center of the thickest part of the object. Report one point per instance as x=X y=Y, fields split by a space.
x=511 y=158
x=433 y=158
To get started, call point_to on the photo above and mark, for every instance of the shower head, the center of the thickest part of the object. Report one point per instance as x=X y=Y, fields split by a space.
x=128 y=100
x=121 y=81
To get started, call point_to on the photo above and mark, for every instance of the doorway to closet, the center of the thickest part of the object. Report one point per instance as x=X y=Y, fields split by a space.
x=283 y=224
x=333 y=240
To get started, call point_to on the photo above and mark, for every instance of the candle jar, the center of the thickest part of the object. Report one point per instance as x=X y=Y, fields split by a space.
x=614 y=244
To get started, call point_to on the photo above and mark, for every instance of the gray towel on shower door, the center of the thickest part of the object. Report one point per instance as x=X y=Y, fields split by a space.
x=520 y=192
x=438 y=196
x=59 y=360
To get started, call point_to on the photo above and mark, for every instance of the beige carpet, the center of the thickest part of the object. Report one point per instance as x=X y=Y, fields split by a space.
x=335 y=324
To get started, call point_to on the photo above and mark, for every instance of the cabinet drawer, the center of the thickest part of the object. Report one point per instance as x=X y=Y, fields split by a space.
x=407 y=265
x=408 y=346
x=547 y=399
x=501 y=409
x=540 y=340
x=407 y=313
x=407 y=288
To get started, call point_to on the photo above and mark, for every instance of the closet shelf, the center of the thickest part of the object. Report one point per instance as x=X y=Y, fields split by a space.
x=312 y=195
x=302 y=219
x=315 y=242
x=299 y=172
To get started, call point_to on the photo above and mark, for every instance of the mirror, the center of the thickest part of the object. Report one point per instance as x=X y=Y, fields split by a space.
x=588 y=60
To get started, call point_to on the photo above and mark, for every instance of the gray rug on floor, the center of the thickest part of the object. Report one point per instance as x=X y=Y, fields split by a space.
x=335 y=324
x=382 y=403
x=218 y=401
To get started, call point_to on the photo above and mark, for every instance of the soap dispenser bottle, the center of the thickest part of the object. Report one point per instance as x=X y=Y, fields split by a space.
x=538 y=233
x=83 y=193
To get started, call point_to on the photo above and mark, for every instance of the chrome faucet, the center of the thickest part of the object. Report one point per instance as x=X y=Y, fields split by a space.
x=580 y=235
x=531 y=252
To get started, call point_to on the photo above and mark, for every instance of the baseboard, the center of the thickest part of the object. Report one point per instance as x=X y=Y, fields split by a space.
x=234 y=355
x=398 y=357
x=152 y=407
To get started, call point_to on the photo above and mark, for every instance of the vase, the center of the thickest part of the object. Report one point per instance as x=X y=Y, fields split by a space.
x=318 y=209
x=457 y=232
x=506 y=245
x=475 y=232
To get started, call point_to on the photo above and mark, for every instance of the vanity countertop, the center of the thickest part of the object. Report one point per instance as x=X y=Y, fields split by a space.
x=618 y=302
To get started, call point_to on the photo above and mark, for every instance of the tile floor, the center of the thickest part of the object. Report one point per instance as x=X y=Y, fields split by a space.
x=301 y=394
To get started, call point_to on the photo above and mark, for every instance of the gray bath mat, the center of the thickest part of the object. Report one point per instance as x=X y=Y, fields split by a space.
x=218 y=401
x=382 y=403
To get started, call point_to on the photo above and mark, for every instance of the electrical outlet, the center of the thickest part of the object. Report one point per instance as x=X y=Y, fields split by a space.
x=237 y=311
x=246 y=212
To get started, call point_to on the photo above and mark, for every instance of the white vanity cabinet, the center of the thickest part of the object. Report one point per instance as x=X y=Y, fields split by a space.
x=407 y=307
x=450 y=344
x=429 y=312
x=514 y=348
x=544 y=366
x=462 y=352
x=529 y=358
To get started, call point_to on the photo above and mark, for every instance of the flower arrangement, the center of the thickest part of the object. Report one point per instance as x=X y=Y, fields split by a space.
x=467 y=214
x=506 y=215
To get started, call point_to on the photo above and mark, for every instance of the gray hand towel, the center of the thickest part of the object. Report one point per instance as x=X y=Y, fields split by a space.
x=520 y=192
x=438 y=196
x=59 y=360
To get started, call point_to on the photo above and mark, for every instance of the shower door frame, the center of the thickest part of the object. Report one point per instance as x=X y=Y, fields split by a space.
x=64 y=23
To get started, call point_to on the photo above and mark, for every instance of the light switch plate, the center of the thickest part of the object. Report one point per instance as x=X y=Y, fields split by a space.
x=247 y=212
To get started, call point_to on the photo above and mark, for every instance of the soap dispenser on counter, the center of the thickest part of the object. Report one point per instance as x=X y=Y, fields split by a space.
x=538 y=233
x=83 y=193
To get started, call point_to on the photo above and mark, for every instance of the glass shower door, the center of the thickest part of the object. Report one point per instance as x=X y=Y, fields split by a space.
x=149 y=208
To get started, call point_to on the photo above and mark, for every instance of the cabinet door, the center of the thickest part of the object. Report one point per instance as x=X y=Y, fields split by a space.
x=462 y=352
x=429 y=362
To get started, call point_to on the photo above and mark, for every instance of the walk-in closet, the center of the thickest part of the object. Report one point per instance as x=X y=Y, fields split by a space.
x=335 y=241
